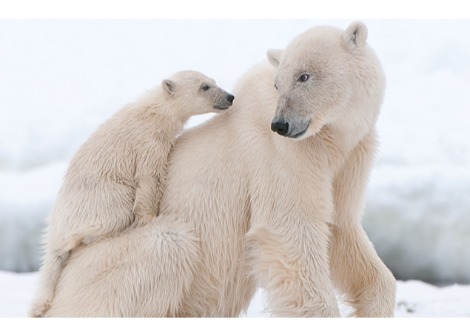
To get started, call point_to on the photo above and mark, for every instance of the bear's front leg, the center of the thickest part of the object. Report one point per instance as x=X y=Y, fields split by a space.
x=357 y=271
x=293 y=268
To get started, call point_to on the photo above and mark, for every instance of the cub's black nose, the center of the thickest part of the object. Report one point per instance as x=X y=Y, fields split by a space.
x=281 y=127
x=230 y=98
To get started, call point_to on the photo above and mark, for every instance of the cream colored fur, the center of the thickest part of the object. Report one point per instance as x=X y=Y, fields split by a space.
x=245 y=207
x=116 y=178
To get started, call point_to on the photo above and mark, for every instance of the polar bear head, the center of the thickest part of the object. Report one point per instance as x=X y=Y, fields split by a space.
x=326 y=76
x=194 y=93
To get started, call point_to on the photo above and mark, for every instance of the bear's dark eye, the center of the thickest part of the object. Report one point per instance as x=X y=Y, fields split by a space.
x=205 y=87
x=275 y=86
x=304 y=77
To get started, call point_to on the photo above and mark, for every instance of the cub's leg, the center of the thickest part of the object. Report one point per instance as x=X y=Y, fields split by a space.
x=53 y=264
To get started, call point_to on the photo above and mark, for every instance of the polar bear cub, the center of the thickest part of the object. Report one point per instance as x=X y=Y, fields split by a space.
x=116 y=178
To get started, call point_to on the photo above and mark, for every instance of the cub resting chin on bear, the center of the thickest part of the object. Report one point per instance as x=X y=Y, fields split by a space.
x=116 y=178
x=268 y=195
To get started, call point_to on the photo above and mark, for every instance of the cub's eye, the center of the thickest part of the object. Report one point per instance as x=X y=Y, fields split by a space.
x=275 y=86
x=205 y=87
x=304 y=77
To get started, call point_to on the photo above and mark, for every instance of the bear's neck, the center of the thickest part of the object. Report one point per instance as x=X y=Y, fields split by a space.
x=159 y=105
x=155 y=108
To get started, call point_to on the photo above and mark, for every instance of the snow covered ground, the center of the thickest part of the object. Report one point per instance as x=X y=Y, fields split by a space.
x=414 y=298
x=60 y=79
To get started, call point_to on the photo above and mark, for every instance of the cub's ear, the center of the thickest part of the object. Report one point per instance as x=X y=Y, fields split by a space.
x=168 y=86
x=355 y=35
x=274 y=56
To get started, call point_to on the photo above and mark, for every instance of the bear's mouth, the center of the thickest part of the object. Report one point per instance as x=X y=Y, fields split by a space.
x=299 y=134
x=219 y=107
x=222 y=106
x=296 y=133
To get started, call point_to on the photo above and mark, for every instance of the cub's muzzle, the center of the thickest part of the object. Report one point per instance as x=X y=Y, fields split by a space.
x=225 y=103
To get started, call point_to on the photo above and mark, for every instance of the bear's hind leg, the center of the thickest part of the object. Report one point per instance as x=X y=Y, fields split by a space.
x=176 y=257
x=51 y=270
x=144 y=272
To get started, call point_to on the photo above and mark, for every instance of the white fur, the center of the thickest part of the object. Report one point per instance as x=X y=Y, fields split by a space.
x=117 y=176
x=247 y=207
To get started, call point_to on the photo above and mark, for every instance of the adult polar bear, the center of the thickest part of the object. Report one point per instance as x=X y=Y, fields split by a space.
x=245 y=206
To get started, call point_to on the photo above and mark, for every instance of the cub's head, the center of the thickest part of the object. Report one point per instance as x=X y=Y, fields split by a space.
x=326 y=76
x=196 y=94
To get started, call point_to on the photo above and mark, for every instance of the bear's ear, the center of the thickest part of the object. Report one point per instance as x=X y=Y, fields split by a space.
x=355 y=35
x=168 y=86
x=274 y=56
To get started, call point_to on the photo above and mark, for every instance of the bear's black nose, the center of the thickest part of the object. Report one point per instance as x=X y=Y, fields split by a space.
x=230 y=98
x=281 y=127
